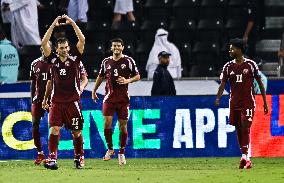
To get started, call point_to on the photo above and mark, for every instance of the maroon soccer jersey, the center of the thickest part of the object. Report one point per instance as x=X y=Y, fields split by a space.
x=111 y=70
x=65 y=77
x=241 y=77
x=39 y=74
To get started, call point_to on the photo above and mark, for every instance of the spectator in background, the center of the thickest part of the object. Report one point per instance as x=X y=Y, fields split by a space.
x=162 y=44
x=6 y=18
x=281 y=56
x=24 y=22
x=77 y=11
x=255 y=23
x=163 y=83
x=122 y=7
x=9 y=60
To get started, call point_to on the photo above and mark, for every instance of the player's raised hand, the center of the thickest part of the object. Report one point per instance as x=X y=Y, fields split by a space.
x=265 y=107
x=217 y=102
x=94 y=96
x=56 y=21
x=122 y=81
x=68 y=19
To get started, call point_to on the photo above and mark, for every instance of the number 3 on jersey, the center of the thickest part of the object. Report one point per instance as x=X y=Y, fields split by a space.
x=115 y=72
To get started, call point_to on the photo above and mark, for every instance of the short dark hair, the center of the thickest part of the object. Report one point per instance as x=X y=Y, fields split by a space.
x=117 y=40
x=238 y=43
x=61 y=40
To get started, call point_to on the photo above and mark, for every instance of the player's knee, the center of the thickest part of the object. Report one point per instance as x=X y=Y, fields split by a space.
x=76 y=133
x=123 y=125
x=55 y=130
x=107 y=125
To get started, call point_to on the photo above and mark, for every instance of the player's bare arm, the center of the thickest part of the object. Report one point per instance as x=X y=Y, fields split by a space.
x=81 y=38
x=219 y=93
x=32 y=89
x=45 y=40
x=46 y=95
x=263 y=93
x=84 y=83
x=98 y=82
x=123 y=81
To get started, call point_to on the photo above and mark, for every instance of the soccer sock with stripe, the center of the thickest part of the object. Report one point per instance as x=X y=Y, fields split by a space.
x=36 y=137
x=53 y=145
x=123 y=141
x=78 y=145
x=108 y=137
x=245 y=140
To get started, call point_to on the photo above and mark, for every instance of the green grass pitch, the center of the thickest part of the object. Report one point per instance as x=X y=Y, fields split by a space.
x=181 y=170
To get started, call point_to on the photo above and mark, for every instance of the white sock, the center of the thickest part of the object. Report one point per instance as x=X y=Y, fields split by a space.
x=244 y=156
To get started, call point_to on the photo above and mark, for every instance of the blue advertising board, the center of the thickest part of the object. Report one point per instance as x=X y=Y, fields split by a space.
x=182 y=126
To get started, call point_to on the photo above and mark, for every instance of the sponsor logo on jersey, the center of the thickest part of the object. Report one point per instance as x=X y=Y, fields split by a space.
x=245 y=71
x=108 y=67
x=38 y=70
x=67 y=63
x=232 y=73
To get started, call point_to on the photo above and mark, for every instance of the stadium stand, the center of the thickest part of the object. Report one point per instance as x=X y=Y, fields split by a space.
x=190 y=23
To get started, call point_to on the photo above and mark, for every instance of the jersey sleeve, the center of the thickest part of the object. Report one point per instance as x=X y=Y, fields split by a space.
x=225 y=73
x=32 y=72
x=49 y=73
x=75 y=52
x=255 y=71
x=83 y=71
x=102 y=72
x=133 y=68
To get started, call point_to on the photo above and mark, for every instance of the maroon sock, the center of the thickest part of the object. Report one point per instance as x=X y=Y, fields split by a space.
x=53 y=146
x=239 y=136
x=245 y=140
x=78 y=146
x=108 y=137
x=36 y=136
x=122 y=140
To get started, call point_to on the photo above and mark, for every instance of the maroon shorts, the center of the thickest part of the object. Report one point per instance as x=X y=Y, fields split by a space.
x=66 y=114
x=120 y=108
x=37 y=110
x=241 y=117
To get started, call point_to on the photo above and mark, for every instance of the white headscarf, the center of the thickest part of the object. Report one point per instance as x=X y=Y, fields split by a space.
x=162 y=44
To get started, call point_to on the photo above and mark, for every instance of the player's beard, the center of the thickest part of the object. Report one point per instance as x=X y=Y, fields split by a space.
x=64 y=54
x=117 y=53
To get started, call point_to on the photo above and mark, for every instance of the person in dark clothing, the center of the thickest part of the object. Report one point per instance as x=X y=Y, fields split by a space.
x=255 y=24
x=163 y=83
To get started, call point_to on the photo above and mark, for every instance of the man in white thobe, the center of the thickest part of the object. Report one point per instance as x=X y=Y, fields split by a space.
x=24 y=22
x=77 y=10
x=162 y=44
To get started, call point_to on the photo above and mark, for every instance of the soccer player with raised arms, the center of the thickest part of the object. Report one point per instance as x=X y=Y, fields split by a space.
x=241 y=73
x=66 y=74
x=119 y=70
